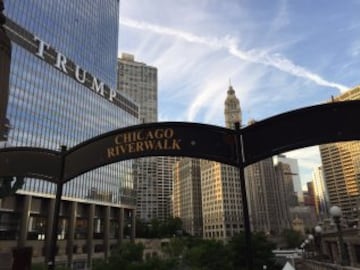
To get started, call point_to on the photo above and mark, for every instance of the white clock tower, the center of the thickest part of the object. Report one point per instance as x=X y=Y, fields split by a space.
x=232 y=109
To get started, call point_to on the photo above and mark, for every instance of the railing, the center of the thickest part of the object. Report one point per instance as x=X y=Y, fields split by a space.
x=316 y=265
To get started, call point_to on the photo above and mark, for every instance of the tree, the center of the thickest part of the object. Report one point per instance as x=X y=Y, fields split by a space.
x=125 y=256
x=293 y=239
x=175 y=247
x=261 y=250
x=207 y=255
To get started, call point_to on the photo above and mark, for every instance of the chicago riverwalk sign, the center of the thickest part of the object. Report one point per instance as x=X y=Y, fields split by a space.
x=155 y=139
x=325 y=123
x=331 y=122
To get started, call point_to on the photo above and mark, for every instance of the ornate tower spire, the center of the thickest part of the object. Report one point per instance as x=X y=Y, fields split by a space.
x=232 y=109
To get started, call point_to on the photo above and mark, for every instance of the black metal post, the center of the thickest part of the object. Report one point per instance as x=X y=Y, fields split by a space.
x=5 y=56
x=247 y=229
x=54 y=229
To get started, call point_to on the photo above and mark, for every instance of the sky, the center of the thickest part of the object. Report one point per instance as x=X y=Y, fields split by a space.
x=278 y=55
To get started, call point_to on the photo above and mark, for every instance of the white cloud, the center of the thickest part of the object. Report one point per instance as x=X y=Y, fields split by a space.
x=230 y=44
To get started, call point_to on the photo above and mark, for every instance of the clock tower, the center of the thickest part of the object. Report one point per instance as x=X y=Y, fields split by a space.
x=232 y=109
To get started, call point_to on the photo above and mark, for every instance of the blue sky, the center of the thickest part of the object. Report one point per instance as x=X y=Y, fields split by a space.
x=280 y=55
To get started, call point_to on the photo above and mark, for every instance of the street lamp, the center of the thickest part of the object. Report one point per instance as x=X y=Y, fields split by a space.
x=318 y=232
x=335 y=212
x=310 y=239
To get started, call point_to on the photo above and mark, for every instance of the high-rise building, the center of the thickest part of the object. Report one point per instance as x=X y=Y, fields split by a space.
x=320 y=193
x=309 y=195
x=341 y=167
x=139 y=81
x=295 y=175
x=153 y=175
x=220 y=186
x=187 y=195
x=266 y=190
x=284 y=172
x=62 y=92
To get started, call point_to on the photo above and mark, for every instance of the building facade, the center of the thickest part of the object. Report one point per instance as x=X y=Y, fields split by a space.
x=294 y=173
x=187 y=195
x=153 y=175
x=320 y=193
x=62 y=91
x=220 y=186
x=266 y=189
x=341 y=168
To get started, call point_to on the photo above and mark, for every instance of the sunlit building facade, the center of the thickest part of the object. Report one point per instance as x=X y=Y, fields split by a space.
x=320 y=193
x=187 y=195
x=266 y=192
x=341 y=167
x=294 y=174
x=63 y=92
x=220 y=186
x=153 y=175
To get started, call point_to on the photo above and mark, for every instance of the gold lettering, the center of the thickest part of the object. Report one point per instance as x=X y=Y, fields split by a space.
x=116 y=150
x=122 y=148
x=131 y=147
x=165 y=144
x=176 y=145
x=149 y=145
x=139 y=136
x=127 y=137
x=118 y=139
x=169 y=133
x=159 y=145
x=149 y=135
x=140 y=141
x=110 y=152
x=158 y=133
x=139 y=147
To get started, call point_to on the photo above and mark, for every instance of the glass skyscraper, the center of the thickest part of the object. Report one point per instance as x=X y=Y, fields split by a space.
x=62 y=92
x=48 y=108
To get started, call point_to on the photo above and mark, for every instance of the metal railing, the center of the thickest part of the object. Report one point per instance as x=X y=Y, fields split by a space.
x=316 y=265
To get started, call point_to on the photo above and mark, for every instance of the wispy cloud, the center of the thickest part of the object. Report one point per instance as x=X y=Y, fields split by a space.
x=228 y=43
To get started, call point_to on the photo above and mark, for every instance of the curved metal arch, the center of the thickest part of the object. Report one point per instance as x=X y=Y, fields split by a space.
x=315 y=125
x=30 y=162
x=326 y=123
x=152 y=139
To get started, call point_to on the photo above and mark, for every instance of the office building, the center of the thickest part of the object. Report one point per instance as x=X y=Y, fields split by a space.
x=187 y=195
x=153 y=175
x=320 y=192
x=341 y=167
x=295 y=175
x=284 y=172
x=309 y=195
x=267 y=196
x=220 y=187
x=63 y=92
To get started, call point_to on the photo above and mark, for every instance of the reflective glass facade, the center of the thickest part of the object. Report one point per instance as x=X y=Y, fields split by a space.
x=48 y=108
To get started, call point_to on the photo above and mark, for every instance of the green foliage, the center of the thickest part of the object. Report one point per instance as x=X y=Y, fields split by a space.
x=124 y=257
x=293 y=239
x=157 y=229
x=261 y=250
x=175 y=248
x=193 y=253
x=207 y=255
